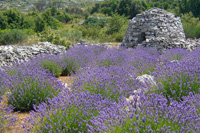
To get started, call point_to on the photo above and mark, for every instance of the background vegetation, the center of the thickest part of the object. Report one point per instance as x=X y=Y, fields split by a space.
x=65 y=22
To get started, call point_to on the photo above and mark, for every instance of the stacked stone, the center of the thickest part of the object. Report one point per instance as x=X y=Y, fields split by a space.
x=155 y=28
x=191 y=44
x=11 y=54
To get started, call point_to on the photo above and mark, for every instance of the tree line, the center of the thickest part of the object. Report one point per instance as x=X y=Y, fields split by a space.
x=130 y=8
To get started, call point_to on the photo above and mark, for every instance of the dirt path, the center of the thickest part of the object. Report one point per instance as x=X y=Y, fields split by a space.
x=66 y=79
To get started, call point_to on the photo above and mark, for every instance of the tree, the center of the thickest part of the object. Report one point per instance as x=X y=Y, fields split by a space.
x=3 y=22
x=115 y=23
x=137 y=6
x=14 y=18
x=40 y=24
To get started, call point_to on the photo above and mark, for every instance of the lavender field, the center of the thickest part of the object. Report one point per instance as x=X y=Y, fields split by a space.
x=113 y=90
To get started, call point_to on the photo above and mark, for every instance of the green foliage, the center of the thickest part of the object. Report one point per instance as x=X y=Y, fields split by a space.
x=52 y=66
x=191 y=25
x=96 y=21
x=73 y=35
x=90 y=31
x=77 y=11
x=129 y=8
x=13 y=19
x=177 y=86
x=96 y=28
x=70 y=66
x=40 y=24
x=118 y=37
x=104 y=91
x=12 y=36
x=60 y=15
x=104 y=29
x=53 y=37
x=3 y=21
x=187 y=6
x=115 y=23
x=50 y=20
x=31 y=91
x=140 y=123
x=29 y=22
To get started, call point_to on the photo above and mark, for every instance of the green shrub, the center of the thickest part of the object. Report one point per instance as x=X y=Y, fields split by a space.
x=53 y=37
x=178 y=85
x=63 y=17
x=191 y=25
x=40 y=24
x=90 y=31
x=116 y=23
x=52 y=66
x=74 y=35
x=29 y=31
x=3 y=21
x=96 y=21
x=13 y=19
x=12 y=36
x=29 y=22
x=118 y=37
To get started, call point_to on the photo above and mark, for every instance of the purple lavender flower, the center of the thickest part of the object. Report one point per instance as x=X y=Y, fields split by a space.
x=29 y=86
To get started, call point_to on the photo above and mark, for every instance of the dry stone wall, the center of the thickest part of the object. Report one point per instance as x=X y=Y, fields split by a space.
x=11 y=54
x=155 y=28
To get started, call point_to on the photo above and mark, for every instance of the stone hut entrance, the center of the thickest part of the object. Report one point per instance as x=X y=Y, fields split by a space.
x=154 y=28
x=142 y=38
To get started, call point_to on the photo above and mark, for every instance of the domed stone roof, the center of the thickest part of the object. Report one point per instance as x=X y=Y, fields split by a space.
x=155 y=28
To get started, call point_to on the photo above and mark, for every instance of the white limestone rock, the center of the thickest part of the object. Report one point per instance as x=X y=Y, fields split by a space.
x=12 y=54
x=147 y=82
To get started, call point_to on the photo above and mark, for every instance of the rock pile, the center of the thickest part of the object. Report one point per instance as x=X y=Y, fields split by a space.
x=155 y=28
x=191 y=44
x=148 y=83
x=10 y=54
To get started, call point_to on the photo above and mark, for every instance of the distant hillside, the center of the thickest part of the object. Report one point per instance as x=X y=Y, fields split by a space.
x=27 y=5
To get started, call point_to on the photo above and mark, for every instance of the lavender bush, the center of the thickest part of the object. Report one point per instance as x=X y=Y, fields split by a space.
x=31 y=87
x=69 y=112
x=5 y=120
x=152 y=115
x=177 y=79
x=106 y=95
x=111 y=82
x=174 y=54
x=52 y=63
x=111 y=57
x=79 y=56
x=143 y=59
